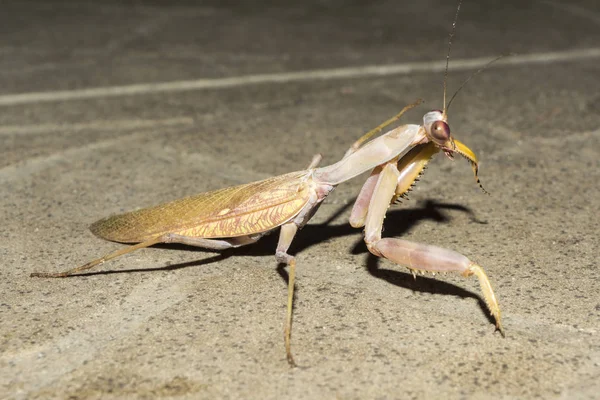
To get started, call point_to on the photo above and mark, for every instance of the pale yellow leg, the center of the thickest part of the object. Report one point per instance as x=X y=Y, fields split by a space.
x=98 y=261
x=288 y=231
x=212 y=244
x=380 y=127
x=290 y=307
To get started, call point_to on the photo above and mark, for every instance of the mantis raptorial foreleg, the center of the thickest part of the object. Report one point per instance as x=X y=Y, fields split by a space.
x=358 y=216
x=409 y=169
x=416 y=256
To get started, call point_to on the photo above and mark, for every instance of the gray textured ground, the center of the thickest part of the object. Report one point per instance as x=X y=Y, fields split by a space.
x=183 y=323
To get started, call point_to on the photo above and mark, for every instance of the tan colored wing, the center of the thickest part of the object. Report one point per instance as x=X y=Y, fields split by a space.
x=236 y=211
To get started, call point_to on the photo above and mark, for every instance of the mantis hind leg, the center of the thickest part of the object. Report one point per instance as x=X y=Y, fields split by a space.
x=97 y=261
x=211 y=244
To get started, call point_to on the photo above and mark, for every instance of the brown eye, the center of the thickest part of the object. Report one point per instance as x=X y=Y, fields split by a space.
x=440 y=131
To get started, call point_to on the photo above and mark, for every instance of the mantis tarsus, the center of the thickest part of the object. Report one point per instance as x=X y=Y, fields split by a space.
x=241 y=215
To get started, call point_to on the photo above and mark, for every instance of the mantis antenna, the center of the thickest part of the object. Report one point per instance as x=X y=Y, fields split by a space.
x=448 y=55
x=472 y=75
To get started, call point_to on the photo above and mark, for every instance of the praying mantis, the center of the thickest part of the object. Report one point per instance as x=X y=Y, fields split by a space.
x=241 y=215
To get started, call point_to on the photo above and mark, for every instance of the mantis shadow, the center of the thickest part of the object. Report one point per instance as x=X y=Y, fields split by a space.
x=398 y=222
x=423 y=284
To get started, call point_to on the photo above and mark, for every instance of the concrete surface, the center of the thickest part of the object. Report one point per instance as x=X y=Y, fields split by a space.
x=177 y=322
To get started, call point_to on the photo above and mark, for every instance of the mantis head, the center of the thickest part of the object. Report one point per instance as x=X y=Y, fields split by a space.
x=437 y=130
x=435 y=122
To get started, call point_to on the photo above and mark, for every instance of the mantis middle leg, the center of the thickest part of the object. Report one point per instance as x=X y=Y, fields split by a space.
x=288 y=231
x=364 y=138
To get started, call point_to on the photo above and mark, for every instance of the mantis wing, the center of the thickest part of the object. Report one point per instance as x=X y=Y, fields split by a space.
x=235 y=211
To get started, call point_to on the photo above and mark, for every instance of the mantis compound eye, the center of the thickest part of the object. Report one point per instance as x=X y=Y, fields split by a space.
x=440 y=132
